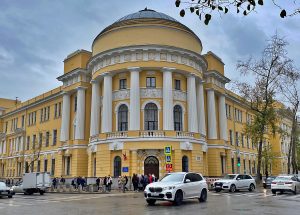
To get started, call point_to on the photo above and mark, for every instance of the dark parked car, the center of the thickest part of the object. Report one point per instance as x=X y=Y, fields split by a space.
x=267 y=182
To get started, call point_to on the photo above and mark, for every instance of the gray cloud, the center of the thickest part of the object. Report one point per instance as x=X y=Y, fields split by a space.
x=35 y=37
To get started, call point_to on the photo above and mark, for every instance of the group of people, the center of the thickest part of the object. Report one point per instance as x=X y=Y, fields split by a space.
x=140 y=182
x=56 y=181
x=106 y=183
x=79 y=183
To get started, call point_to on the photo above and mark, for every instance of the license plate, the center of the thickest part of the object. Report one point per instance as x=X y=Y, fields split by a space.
x=154 y=194
x=280 y=183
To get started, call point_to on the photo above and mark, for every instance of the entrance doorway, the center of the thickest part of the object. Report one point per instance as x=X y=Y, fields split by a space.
x=151 y=166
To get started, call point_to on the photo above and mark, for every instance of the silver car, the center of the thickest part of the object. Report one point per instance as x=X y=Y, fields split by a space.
x=234 y=182
x=5 y=191
x=176 y=187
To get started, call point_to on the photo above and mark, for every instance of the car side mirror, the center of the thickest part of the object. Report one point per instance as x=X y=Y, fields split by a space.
x=187 y=181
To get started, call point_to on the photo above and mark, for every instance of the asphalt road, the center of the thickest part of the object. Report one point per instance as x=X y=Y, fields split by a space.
x=259 y=202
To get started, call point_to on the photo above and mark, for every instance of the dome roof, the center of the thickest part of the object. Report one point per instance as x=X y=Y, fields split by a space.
x=145 y=14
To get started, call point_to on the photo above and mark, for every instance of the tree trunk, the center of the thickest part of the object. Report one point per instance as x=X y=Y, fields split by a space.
x=258 y=173
x=289 y=155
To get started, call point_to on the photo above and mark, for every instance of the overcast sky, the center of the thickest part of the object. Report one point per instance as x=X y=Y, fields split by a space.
x=36 y=36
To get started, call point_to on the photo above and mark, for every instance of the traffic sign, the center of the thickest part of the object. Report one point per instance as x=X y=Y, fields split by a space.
x=169 y=167
x=168 y=159
x=168 y=150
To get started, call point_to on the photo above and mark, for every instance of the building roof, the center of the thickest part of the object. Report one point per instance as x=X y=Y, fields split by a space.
x=145 y=14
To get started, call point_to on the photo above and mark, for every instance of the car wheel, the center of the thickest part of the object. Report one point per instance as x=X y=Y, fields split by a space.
x=203 y=196
x=295 y=191
x=41 y=192
x=251 y=187
x=10 y=196
x=218 y=190
x=178 y=198
x=232 y=188
x=151 y=201
x=274 y=192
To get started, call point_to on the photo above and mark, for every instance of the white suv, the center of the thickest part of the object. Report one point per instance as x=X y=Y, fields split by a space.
x=176 y=187
x=233 y=182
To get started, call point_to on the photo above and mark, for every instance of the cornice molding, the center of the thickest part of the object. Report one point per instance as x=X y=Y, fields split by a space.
x=147 y=53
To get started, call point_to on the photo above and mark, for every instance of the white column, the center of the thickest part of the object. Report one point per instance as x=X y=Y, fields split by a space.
x=65 y=122
x=201 y=110
x=107 y=104
x=134 y=106
x=192 y=104
x=211 y=110
x=95 y=109
x=222 y=118
x=168 y=121
x=80 y=114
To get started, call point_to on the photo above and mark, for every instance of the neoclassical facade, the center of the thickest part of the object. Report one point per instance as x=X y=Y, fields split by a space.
x=144 y=85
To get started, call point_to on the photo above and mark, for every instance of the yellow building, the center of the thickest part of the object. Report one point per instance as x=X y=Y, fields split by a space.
x=144 y=85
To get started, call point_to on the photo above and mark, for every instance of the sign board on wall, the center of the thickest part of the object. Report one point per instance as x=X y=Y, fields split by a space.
x=125 y=169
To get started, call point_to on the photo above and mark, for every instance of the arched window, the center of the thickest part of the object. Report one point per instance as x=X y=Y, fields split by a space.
x=117 y=166
x=185 y=164
x=177 y=111
x=151 y=117
x=123 y=118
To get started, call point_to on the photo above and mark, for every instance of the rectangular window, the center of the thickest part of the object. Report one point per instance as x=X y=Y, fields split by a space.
x=23 y=121
x=245 y=169
x=45 y=165
x=151 y=82
x=250 y=170
x=55 y=111
x=28 y=143
x=232 y=165
x=242 y=138
x=122 y=84
x=34 y=118
x=42 y=114
x=177 y=85
x=33 y=141
x=59 y=109
x=230 y=137
x=75 y=103
x=40 y=139
x=95 y=163
x=223 y=164
x=38 y=167
x=237 y=138
x=67 y=165
x=48 y=113
x=6 y=126
x=52 y=167
x=54 y=137
x=47 y=139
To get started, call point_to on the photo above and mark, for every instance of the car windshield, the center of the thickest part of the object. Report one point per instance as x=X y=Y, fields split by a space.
x=229 y=176
x=281 y=178
x=172 y=178
x=2 y=184
x=270 y=178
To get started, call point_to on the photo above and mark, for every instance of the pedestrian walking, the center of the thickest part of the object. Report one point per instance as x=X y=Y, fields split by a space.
x=105 y=185
x=54 y=183
x=98 y=183
x=109 y=182
x=135 y=182
x=62 y=180
x=123 y=183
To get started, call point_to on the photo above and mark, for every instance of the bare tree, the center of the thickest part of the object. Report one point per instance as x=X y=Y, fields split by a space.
x=267 y=72
x=36 y=148
x=290 y=94
x=204 y=9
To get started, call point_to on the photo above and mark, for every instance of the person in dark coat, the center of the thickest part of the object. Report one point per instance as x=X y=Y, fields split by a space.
x=54 y=183
x=98 y=183
x=135 y=182
x=105 y=185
